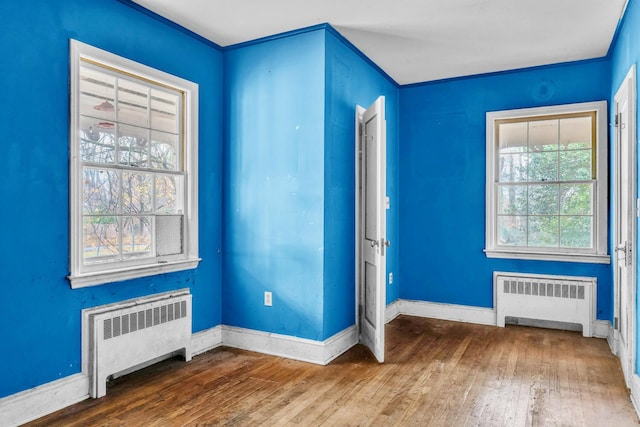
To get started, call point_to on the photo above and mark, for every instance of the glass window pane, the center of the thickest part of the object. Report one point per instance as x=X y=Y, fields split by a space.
x=100 y=191
x=512 y=230
x=512 y=138
x=136 y=192
x=512 y=168
x=543 y=166
x=136 y=235
x=97 y=142
x=133 y=103
x=576 y=199
x=543 y=199
x=575 y=165
x=543 y=135
x=576 y=232
x=100 y=238
x=512 y=199
x=133 y=143
x=164 y=111
x=164 y=154
x=575 y=133
x=97 y=94
x=543 y=231
x=169 y=189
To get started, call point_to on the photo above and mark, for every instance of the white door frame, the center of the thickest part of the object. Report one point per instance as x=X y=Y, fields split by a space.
x=358 y=220
x=627 y=355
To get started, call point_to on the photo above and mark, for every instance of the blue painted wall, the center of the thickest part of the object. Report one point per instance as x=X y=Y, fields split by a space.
x=277 y=187
x=624 y=53
x=351 y=80
x=40 y=331
x=290 y=167
x=442 y=179
x=274 y=174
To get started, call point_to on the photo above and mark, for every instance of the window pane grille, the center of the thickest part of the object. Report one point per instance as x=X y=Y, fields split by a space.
x=545 y=181
x=131 y=144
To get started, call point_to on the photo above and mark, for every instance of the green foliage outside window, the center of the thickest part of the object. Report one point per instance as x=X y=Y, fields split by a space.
x=545 y=182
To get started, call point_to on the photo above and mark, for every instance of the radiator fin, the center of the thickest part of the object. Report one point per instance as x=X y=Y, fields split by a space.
x=132 y=322
x=544 y=288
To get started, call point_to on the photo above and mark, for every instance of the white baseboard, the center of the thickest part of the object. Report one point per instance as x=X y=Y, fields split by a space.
x=37 y=402
x=206 y=340
x=457 y=313
x=318 y=352
x=339 y=344
x=635 y=393
x=602 y=329
x=470 y=314
x=392 y=311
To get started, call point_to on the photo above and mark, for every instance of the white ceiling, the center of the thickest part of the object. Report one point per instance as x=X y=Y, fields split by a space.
x=419 y=40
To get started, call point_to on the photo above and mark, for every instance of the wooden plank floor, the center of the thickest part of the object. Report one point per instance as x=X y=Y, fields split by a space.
x=437 y=373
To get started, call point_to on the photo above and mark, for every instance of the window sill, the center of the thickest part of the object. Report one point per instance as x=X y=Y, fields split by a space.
x=549 y=256
x=94 y=278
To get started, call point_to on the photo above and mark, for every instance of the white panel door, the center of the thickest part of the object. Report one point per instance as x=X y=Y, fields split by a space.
x=624 y=222
x=373 y=242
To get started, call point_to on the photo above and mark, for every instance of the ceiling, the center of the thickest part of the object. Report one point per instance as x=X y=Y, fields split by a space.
x=419 y=40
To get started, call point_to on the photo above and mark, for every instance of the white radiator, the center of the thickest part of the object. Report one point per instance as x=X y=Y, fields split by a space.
x=119 y=338
x=564 y=299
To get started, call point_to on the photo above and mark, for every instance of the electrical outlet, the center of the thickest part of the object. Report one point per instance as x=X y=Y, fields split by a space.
x=390 y=278
x=268 y=299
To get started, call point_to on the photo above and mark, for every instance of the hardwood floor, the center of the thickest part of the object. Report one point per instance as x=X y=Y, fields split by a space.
x=437 y=373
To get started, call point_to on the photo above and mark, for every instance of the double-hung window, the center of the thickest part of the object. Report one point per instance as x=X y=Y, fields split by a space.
x=547 y=183
x=133 y=169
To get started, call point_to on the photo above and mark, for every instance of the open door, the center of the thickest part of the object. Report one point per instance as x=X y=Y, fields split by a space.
x=372 y=227
x=624 y=223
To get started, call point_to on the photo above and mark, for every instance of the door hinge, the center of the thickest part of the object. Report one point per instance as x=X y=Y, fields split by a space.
x=615 y=323
x=360 y=129
x=617 y=120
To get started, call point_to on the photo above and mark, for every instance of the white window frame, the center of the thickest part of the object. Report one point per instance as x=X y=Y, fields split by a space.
x=598 y=254
x=83 y=274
